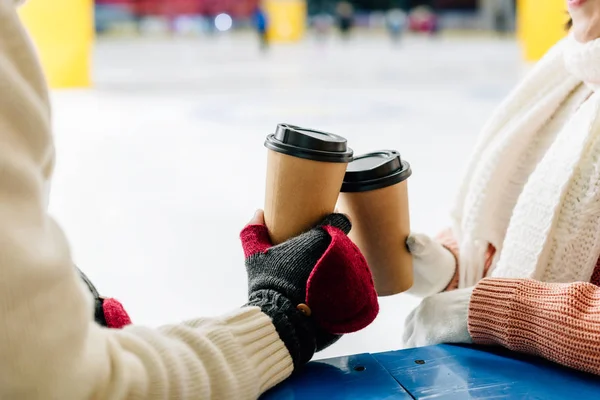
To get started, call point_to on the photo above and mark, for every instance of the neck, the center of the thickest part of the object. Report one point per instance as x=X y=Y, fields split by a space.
x=582 y=60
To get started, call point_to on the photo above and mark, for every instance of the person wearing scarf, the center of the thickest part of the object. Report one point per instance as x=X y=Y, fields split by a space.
x=58 y=336
x=520 y=267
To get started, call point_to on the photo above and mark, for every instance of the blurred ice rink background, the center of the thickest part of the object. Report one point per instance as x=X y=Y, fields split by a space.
x=162 y=163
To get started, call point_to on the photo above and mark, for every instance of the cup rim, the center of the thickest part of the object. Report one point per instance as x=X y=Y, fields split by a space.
x=366 y=185
x=278 y=146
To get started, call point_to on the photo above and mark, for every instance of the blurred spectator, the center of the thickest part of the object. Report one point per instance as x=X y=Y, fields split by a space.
x=423 y=19
x=322 y=23
x=109 y=13
x=498 y=15
x=396 y=21
x=210 y=9
x=261 y=24
x=345 y=17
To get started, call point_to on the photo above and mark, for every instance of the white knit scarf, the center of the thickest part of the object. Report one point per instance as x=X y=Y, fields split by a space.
x=553 y=233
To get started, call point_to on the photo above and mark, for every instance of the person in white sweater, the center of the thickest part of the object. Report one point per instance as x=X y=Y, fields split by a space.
x=50 y=346
x=520 y=266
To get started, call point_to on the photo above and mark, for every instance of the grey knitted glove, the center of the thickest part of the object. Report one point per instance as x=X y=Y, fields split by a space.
x=278 y=277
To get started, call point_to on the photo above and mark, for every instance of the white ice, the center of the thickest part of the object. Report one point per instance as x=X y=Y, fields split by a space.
x=162 y=163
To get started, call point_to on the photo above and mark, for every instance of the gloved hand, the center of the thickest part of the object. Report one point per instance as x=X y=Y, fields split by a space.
x=441 y=318
x=315 y=287
x=108 y=312
x=433 y=264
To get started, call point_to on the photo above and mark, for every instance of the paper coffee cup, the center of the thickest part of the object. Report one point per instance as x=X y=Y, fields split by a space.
x=305 y=171
x=374 y=195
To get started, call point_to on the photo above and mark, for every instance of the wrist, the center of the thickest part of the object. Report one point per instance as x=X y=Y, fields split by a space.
x=446 y=270
x=295 y=329
x=434 y=275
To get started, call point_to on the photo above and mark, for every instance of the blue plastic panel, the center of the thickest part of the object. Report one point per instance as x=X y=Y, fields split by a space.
x=456 y=372
x=357 y=377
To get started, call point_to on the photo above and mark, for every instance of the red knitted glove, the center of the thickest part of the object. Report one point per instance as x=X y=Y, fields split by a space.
x=338 y=288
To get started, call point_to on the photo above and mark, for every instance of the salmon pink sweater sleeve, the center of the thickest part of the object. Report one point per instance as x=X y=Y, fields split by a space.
x=560 y=322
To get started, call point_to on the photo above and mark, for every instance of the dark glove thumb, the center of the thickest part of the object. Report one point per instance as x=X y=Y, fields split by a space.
x=339 y=221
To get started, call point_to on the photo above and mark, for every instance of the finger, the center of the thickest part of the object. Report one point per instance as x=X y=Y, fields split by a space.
x=339 y=221
x=258 y=218
x=418 y=244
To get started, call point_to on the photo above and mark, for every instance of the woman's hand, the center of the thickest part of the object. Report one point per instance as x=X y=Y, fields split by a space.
x=314 y=287
x=434 y=265
x=441 y=318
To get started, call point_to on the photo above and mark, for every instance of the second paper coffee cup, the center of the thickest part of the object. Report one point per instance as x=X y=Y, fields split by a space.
x=375 y=196
x=305 y=171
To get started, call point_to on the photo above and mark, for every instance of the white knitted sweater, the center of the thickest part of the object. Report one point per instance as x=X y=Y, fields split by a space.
x=532 y=188
x=50 y=348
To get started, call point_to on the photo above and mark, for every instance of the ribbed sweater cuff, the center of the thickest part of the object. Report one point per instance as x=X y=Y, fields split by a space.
x=490 y=311
x=262 y=345
x=557 y=321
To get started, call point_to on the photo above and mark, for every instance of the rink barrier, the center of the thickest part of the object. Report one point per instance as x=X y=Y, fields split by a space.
x=540 y=24
x=63 y=33
x=286 y=19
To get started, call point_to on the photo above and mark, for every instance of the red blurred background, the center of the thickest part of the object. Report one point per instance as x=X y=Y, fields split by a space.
x=171 y=8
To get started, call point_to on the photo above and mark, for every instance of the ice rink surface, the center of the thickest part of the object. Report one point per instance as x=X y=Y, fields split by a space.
x=162 y=163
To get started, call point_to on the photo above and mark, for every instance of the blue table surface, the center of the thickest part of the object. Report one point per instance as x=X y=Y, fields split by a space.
x=437 y=372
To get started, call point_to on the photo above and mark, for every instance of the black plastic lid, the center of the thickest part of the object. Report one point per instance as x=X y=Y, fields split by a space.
x=375 y=171
x=310 y=144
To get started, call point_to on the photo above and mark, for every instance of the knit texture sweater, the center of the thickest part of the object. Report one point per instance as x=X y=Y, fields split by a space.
x=557 y=321
x=50 y=347
x=541 y=219
x=556 y=217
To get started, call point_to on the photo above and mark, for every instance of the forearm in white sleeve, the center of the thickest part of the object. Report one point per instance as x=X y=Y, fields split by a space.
x=50 y=348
